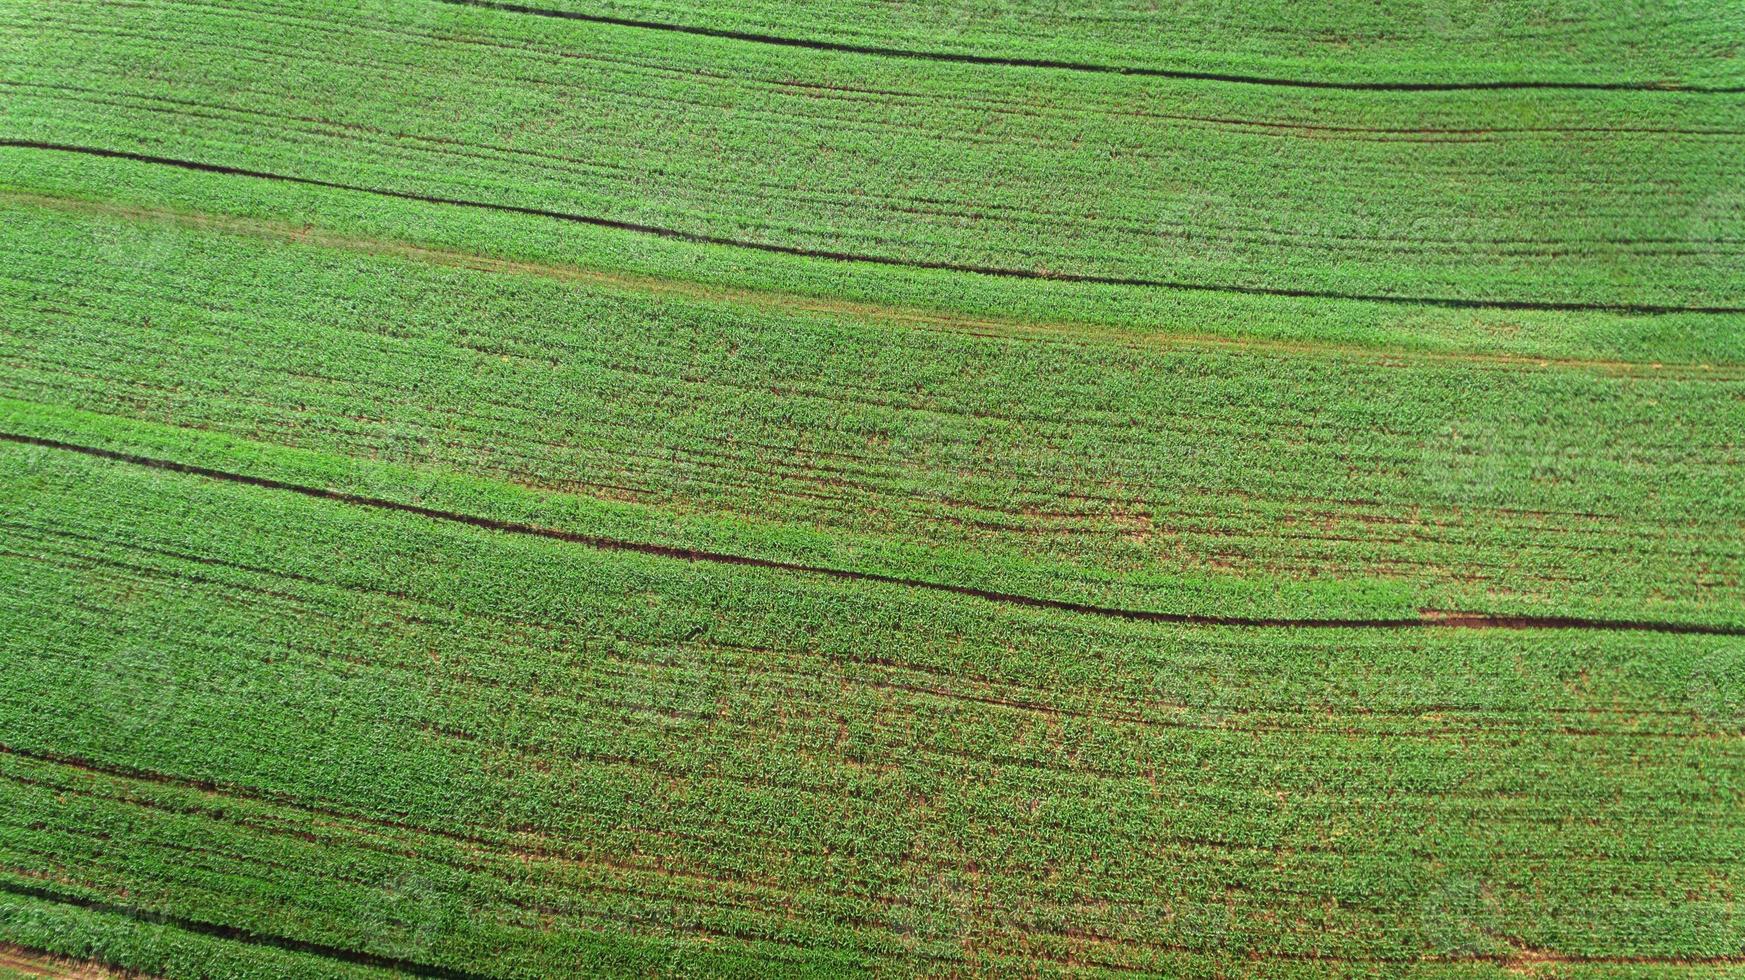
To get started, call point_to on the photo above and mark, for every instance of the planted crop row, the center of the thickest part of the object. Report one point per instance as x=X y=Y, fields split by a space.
x=1608 y=199
x=1119 y=473
x=492 y=493
x=494 y=237
x=335 y=727
x=1406 y=43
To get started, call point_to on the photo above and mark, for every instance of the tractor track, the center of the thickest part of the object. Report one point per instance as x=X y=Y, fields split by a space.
x=1445 y=302
x=1428 y=619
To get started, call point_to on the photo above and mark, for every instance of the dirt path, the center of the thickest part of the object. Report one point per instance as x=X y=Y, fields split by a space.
x=16 y=961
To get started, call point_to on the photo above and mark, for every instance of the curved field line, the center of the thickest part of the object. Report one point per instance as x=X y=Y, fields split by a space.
x=1522 y=956
x=1083 y=66
x=1428 y=619
x=240 y=934
x=789 y=302
x=1638 y=309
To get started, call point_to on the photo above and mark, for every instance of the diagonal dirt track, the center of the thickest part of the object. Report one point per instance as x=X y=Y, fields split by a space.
x=1428 y=619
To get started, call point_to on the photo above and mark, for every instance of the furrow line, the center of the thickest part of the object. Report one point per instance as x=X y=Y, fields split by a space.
x=1428 y=619
x=1065 y=332
x=935 y=265
x=239 y=934
x=1091 y=67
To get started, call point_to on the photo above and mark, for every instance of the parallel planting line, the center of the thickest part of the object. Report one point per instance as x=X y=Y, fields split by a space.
x=1084 y=66
x=1522 y=956
x=240 y=935
x=885 y=260
x=24 y=961
x=799 y=302
x=1429 y=619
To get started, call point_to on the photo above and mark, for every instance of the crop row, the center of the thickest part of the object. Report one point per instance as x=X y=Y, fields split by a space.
x=1109 y=472
x=304 y=700
x=1605 y=198
x=1406 y=43
x=503 y=239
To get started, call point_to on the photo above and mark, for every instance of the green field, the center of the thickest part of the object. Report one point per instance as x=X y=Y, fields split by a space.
x=736 y=488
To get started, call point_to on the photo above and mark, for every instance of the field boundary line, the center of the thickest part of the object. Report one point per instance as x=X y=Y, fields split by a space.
x=697 y=238
x=1087 y=66
x=1427 y=619
x=792 y=303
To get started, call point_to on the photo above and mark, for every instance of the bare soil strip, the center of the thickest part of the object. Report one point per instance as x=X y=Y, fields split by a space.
x=1445 y=302
x=1428 y=619
x=1082 y=66
x=800 y=303
x=36 y=963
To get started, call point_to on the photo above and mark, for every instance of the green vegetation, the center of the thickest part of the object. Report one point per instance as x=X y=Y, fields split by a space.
x=486 y=493
x=1394 y=42
x=1330 y=482
x=818 y=772
x=1611 y=198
